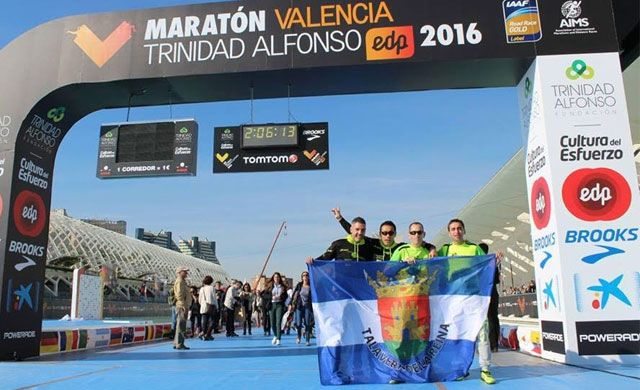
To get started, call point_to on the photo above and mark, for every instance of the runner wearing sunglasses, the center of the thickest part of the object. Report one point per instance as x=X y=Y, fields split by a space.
x=415 y=249
x=384 y=246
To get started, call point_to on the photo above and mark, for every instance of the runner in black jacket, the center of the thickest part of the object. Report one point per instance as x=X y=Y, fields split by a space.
x=382 y=250
x=353 y=247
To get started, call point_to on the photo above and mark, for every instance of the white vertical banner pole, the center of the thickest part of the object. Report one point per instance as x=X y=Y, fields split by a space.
x=585 y=208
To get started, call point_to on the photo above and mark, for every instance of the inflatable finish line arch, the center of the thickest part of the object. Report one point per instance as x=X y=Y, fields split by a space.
x=562 y=55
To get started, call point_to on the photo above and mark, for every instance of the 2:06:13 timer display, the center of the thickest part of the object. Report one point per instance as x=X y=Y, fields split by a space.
x=275 y=135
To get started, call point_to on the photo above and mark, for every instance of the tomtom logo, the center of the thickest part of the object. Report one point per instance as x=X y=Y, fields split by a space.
x=270 y=159
x=389 y=43
x=599 y=194
x=540 y=203
x=99 y=51
x=29 y=213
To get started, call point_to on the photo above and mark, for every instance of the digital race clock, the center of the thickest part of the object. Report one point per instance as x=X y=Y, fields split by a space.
x=269 y=135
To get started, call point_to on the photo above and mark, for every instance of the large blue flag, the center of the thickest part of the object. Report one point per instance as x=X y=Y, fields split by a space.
x=379 y=321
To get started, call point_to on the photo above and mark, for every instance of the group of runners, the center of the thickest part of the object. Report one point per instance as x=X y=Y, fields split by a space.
x=356 y=246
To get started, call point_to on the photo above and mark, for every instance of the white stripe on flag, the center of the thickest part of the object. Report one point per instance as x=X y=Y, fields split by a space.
x=464 y=313
x=342 y=322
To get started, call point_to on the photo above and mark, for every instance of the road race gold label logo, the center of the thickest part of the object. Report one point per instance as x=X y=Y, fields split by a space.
x=100 y=51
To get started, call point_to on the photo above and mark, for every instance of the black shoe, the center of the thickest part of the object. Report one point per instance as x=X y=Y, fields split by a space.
x=182 y=347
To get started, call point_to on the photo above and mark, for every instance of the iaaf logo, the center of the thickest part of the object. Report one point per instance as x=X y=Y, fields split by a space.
x=99 y=51
x=599 y=194
x=541 y=203
x=601 y=293
x=389 y=43
x=29 y=213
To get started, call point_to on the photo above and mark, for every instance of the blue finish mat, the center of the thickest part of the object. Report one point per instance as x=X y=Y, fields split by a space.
x=251 y=362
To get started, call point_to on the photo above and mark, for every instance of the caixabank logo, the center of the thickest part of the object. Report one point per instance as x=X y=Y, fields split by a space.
x=540 y=203
x=615 y=292
x=599 y=194
x=98 y=50
x=22 y=296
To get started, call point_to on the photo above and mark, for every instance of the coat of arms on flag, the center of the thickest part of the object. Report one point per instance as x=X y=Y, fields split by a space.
x=403 y=306
x=382 y=321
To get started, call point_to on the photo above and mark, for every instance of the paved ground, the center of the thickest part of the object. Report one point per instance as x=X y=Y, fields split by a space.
x=253 y=363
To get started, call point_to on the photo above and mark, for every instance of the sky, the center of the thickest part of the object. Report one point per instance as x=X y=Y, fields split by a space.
x=405 y=156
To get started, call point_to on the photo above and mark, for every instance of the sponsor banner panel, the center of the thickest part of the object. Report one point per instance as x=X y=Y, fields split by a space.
x=542 y=205
x=594 y=182
x=271 y=147
x=608 y=337
x=522 y=305
x=553 y=337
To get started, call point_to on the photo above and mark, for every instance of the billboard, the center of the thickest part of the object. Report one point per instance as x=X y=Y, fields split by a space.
x=271 y=147
x=148 y=149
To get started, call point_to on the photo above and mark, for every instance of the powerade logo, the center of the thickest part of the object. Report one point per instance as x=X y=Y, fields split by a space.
x=599 y=194
x=540 y=203
x=605 y=292
x=608 y=337
x=552 y=336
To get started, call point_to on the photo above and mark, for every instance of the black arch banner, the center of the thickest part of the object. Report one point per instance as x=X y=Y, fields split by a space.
x=60 y=71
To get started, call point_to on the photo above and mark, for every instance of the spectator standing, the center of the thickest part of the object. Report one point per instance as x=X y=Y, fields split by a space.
x=265 y=309
x=303 y=309
x=278 y=299
x=246 y=305
x=208 y=306
x=194 y=313
x=230 y=303
x=183 y=302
